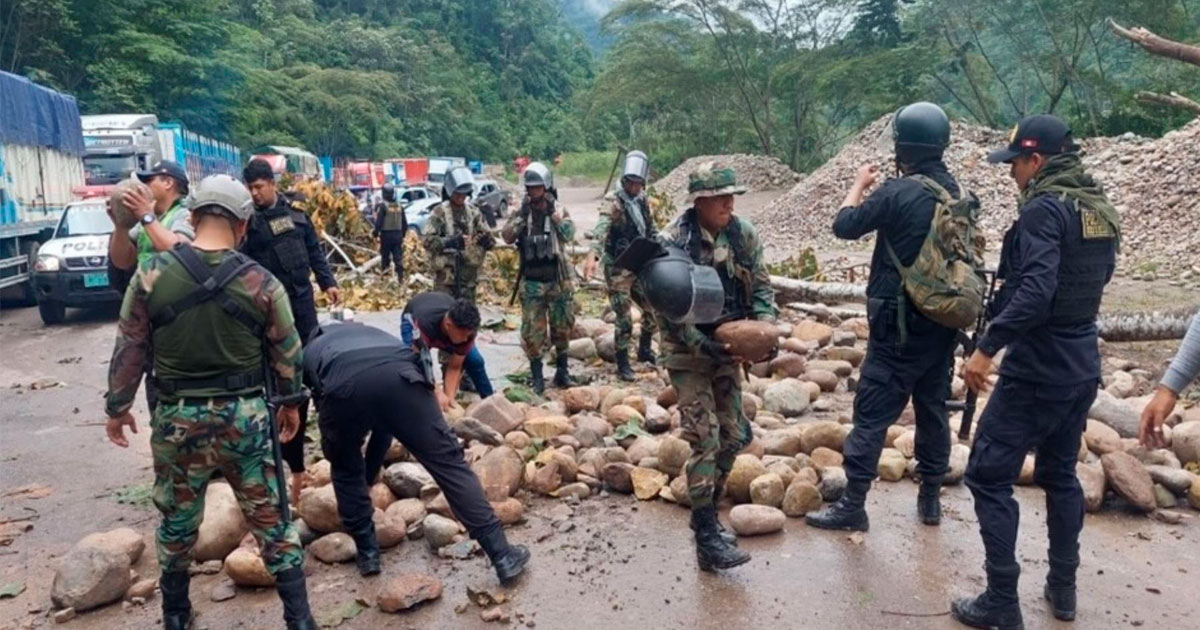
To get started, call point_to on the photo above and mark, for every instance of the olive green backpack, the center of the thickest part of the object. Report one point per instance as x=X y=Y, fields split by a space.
x=943 y=282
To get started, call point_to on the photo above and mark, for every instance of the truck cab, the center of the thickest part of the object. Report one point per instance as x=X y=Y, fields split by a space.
x=71 y=269
x=116 y=145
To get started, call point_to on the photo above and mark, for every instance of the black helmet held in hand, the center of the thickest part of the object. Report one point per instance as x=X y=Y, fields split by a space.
x=920 y=131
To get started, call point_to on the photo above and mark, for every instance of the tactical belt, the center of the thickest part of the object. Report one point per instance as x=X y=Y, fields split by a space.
x=212 y=287
x=230 y=383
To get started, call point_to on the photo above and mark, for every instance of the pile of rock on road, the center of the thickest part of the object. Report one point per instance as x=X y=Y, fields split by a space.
x=1151 y=181
x=756 y=172
x=599 y=440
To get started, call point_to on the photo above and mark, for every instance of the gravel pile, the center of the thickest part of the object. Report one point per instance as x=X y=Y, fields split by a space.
x=755 y=172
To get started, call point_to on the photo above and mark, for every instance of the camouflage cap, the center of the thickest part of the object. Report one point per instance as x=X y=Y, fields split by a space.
x=712 y=179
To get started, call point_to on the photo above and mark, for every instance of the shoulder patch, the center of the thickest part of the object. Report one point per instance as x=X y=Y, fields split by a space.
x=1094 y=225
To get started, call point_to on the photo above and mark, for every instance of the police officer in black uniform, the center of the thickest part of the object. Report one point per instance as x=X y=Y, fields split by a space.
x=1056 y=259
x=283 y=240
x=908 y=355
x=367 y=381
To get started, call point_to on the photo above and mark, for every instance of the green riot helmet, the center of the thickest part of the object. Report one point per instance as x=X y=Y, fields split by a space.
x=225 y=193
x=459 y=180
x=920 y=131
x=676 y=287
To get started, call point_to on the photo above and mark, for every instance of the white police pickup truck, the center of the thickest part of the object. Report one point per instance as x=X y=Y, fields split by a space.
x=72 y=267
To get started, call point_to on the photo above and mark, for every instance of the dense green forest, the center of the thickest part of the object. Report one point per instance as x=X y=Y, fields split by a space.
x=498 y=78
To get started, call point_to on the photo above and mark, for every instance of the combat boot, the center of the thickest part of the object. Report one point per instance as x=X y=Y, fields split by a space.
x=645 y=353
x=508 y=560
x=712 y=552
x=562 y=378
x=624 y=371
x=1060 y=586
x=847 y=513
x=718 y=491
x=536 y=380
x=997 y=607
x=176 y=606
x=294 y=595
x=929 y=501
x=367 y=557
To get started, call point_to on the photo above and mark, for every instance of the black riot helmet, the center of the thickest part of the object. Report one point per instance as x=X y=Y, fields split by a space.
x=920 y=131
x=389 y=192
x=676 y=287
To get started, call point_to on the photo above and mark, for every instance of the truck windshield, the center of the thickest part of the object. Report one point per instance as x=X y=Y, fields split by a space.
x=84 y=219
x=108 y=169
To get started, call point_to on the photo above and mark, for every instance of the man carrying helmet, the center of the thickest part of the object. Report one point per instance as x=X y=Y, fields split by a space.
x=390 y=227
x=627 y=219
x=212 y=318
x=908 y=355
x=541 y=228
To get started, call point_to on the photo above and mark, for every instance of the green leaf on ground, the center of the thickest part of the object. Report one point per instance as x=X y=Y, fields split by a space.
x=629 y=429
x=11 y=589
x=519 y=393
x=345 y=612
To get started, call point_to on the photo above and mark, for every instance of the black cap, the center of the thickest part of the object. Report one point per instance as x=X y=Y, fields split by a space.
x=165 y=167
x=1043 y=133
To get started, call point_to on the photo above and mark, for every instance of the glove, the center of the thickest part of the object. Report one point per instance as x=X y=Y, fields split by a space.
x=485 y=240
x=453 y=242
x=716 y=351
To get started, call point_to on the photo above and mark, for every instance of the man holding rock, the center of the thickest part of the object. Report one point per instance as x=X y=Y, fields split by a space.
x=628 y=218
x=704 y=373
x=367 y=381
x=211 y=318
x=908 y=354
x=541 y=229
x=1184 y=369
x=1056 y=259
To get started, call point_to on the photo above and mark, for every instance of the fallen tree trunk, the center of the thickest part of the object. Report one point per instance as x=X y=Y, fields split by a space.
x=1174 y=99
x=1114 y=326
x=1157 y=45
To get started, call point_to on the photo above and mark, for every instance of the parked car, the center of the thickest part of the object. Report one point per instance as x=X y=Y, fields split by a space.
x=413 y=194
x=491 y=199
x=72 y=267
x=417 y=213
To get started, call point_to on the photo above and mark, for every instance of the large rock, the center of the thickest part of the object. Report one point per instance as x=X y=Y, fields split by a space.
x=1176 y=480
x=1129 y=478
x=580 y=399
x=1194 y=494
x=1185 y=441
x=850 y=354
x=668 y=397
x=318 y=508
x=405 y=591
x=1091 y=479
x=334 y=548
x=825 y=433
x=787 y=442
x=1116 y=413
x=381 y=496
x=749 y=339
x=543 y=479
x=801 y=498
x=606 y=346
x=440 y=531
x=679 y=491
x=643 y=446
x=823 y=457
x=1101 y=438
x=826 y=380
x=787 y=364
x=618 y=415
x=406 y=479
x=617 y=475
x=906 y=444
x=756 y=520
x=788 y=398
x=841 y=368
x=499 y=472
x=390 y=527
x=122 y=539
x=960 y=455
x=246 y=568
x=472 y=430
x=409 y=510
x=582 y=349
x=89 y=577
x=546 y=427
x=497 y=412
x=767 y=489
x=510 y=511
x=647 y=483
x=833 y=484
x=892 y=465
x=746 y=468
x=223 y=526
x=813 y=331
x=673 y=454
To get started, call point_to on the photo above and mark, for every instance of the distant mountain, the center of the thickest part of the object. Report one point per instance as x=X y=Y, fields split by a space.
x=585 y=16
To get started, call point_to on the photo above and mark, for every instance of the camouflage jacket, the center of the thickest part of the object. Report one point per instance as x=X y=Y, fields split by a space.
x=202 y=342
x=741 y=260
x=616 y=228
x=518 y=226
x=447 y=221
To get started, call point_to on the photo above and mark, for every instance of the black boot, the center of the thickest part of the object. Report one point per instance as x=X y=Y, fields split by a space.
x=294 y=595
x=645 y=353
x=176 y=607
x=847 y=513
x=562 y=378
x=536 y=380
x=624 y=372
x=711 y=551
x=508 y=560
x=996 y=608
x=929 y=501
x=718 y=491
x=367 y=559
x=1060 y=586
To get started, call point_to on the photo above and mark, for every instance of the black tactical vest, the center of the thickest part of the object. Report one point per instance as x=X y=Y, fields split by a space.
x=537 y=245
x=621 y=234
x=276 y=241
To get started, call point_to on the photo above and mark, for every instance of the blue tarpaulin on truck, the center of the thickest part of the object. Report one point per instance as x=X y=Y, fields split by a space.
x=33 y=115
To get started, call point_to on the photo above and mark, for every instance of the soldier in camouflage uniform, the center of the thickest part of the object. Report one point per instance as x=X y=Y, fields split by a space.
x=541 y=228
x=627 y=218
x=707 y=378
x=209 y=344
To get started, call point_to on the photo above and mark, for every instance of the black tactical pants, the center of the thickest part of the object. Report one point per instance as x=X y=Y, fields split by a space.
x=305 y=313
x=385 y=402
x=891 y=374
x=391 y=246
x=1020 y=416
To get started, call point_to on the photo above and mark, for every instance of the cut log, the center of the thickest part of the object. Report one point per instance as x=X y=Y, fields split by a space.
x=1157 y=45
x=1174 y=99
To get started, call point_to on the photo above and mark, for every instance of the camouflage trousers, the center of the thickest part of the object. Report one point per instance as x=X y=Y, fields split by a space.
x=713 y=423
x=624 y=290
x=191 y=439
x=547 y=309
x=464 y=287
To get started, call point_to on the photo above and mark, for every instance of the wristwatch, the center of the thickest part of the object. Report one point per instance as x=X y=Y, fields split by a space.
x=148 y=218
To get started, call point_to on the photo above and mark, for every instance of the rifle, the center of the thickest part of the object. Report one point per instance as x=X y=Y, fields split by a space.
x=968 y=343
x=273 y=404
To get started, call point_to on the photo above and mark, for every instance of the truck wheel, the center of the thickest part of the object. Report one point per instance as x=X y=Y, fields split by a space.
x=30 y=250
x=52 y=312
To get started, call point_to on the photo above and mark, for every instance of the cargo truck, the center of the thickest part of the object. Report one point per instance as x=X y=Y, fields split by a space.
x=119 y=144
